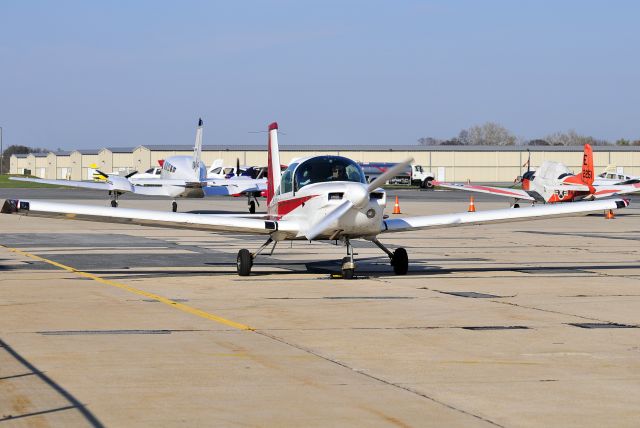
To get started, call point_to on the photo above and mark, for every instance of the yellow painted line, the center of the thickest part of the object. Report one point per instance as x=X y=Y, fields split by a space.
x=161 y=299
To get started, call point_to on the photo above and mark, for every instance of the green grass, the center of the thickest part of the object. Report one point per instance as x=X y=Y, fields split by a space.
x=5 y=183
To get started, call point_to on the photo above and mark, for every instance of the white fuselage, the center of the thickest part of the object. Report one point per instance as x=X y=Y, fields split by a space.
x=312 y=203
x=181 y=170
x=309 y=194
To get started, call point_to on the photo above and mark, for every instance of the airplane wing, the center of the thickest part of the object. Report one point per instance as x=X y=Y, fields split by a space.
x=498 y=191
x=234 y=186
x=614 y=190
x=208 y=222
x=501 y=215
x=96 y=185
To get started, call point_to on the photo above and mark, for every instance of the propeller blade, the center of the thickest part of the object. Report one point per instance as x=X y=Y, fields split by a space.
x=131 y=174
x=331 y=217
x=102 y=173
x=391 y=172
x=237 y=166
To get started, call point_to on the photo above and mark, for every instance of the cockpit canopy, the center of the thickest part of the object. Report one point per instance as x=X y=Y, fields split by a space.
x=320 y=169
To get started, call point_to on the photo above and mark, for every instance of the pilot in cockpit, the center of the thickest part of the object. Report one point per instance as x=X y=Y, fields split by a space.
x=338 y=173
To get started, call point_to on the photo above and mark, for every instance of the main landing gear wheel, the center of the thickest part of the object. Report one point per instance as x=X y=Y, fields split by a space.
x=244 y=262
x=174 y=206
x=516 y=205
x=252 y=207
x=400 y=261
x=114 y=204
x=348 y=268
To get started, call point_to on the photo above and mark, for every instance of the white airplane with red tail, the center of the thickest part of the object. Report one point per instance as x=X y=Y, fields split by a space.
x=315 y=198
x=553 y=182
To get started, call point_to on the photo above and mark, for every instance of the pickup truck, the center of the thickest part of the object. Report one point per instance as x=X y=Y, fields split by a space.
x=415 y=175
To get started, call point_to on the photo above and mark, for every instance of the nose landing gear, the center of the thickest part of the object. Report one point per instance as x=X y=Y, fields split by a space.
x=348 y=265
x=252 y=201
x=114 y=198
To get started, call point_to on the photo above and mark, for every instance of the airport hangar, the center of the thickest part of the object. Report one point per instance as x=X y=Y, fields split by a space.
x=500 y=164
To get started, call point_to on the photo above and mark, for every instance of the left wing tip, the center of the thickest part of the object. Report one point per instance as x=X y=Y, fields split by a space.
x=12 y=206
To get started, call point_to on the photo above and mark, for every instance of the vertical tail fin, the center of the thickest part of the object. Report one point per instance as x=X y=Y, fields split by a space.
x=587 y=166
x=197 y=149
x=273 y=177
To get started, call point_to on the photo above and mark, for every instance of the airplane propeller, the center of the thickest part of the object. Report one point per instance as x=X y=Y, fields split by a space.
x=358 y=200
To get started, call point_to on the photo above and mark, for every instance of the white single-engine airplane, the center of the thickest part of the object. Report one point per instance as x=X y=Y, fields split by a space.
x=315 y=198
x=554 y=182
x=611 y=176
x=180 y=177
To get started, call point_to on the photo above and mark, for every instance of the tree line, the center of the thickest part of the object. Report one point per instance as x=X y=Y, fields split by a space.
x=17 y=150
x=494 y=134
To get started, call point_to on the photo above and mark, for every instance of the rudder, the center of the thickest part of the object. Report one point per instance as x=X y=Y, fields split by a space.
x=273 y=177
x=587 y=165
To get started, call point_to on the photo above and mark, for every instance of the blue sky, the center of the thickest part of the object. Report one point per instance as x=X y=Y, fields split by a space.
x=84 y=74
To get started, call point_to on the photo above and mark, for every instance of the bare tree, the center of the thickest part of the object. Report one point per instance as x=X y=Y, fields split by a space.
x=572 y=138
x=429 y=141
x=488 y=134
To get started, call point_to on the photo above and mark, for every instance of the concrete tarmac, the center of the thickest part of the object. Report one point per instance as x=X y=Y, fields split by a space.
x=516 y=325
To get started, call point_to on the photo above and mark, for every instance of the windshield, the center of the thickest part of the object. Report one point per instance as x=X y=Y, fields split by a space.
x=328 y=168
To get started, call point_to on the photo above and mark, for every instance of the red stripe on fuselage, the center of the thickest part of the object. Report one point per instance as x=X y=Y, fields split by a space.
x=288 y=205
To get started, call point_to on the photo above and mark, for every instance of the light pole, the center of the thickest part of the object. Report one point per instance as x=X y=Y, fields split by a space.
x=1 y=152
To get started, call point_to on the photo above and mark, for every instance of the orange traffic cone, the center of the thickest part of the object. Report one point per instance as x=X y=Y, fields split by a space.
x=472 y=205
x=609 y=215
x=396 y=207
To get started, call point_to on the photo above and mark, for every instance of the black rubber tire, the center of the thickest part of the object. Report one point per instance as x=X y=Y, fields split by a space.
x=252 y=207
x=427 y=184
x=516 y=205
x=114 y=204
x=244 y=262
x=347 y=273
x=400 y=261
x=174 y=206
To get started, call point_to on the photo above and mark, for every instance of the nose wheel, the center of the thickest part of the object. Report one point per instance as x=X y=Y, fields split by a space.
x=348 y=264
x=114 y=198
x=252 y=202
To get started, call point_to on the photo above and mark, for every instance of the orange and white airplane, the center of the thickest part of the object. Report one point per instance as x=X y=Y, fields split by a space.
x=315 y=198
x=553 y=182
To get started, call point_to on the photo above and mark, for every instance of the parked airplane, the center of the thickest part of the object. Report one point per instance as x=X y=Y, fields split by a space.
x=180 y=177
x=316 y=198
x=553 y=182
x=611 y=175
